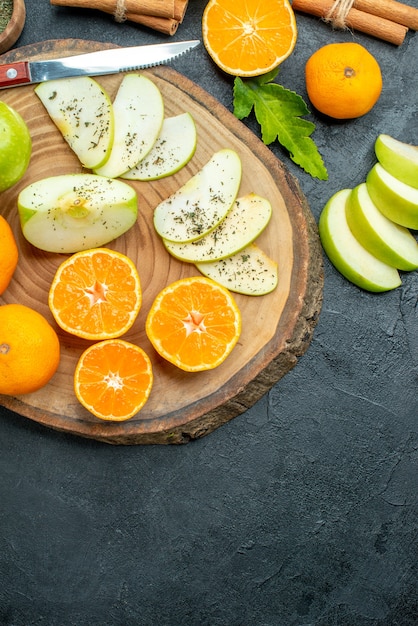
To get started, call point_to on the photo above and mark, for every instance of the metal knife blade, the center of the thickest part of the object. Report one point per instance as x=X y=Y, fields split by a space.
x=109 y=61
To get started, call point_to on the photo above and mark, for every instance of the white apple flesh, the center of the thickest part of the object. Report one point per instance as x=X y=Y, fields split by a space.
x=82 y=111
x=74 y=212
x=398 y=158
x=395 y=199
x=139 y=113
x=389 y=242
x=175 y=146
x=246 y=220
x=202 y=202
x=249 y=272
x=347 y=255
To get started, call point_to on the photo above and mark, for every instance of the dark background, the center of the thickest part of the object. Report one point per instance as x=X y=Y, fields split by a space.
x=300 y=512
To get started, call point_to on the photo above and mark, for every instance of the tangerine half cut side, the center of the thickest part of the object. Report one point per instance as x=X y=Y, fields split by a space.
x=249 y=38
x=194 y=323
x=113 y=379
x=96 y=294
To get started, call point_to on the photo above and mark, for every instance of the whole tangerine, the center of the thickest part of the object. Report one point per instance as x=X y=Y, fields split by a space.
x=9 y=254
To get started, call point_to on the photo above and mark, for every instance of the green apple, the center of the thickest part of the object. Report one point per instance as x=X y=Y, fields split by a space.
x=348 y=256
x=82 y=111
x=395 y=199
x=139 y=113
x=398 y=158
x=389 y=242
x=246 y=220
x=202 y=202
x=15 y=146
x=175 y=146
x=74 y=212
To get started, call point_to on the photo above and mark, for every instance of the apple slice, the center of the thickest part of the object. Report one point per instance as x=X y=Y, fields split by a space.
x=175 y=146
x=139 y=113
x=74 y=212
x=347 y=255
x=389 y=242
x=245 y=221
x=395 y=199
x=398 y=158
x=201 y=204
x=82 y=111
x=250 y=272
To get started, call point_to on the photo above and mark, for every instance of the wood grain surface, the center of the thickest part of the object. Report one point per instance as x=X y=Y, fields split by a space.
x=277 y=328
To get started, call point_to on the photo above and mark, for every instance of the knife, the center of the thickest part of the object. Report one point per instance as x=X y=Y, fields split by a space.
x=97 y=63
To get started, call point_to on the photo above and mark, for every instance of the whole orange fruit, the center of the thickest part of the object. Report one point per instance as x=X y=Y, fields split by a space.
x=343 y=80
x=29 y=350
x=8 y=254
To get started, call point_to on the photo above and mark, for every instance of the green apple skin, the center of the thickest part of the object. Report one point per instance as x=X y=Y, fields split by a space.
x=246 y=220
x=195 y=209
x=249 y=272
x=74 y=212
x=347 y=255
x=174 y=148
x=15 y=146
x=76 y=104
x=398 y=158
x=396 y=200
x=139 y=114
x=387 y=241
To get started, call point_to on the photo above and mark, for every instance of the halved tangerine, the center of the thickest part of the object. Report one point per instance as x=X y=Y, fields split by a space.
x=249 y=38
x=113 y=379
x=194 y=323
x=96 y=294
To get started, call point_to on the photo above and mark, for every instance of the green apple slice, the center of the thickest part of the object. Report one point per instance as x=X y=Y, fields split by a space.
x=175 y=146
x=201 y=204
x=395 y=199
x=246 y=220
x=250 y=272
x=398 y=158
x=82 y=111
x=74 y=212
x=347 y=255
x=389 y=242
x=139 y=113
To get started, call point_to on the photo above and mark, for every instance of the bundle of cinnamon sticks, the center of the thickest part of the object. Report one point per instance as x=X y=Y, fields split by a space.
x=388 y=20
x=161 y=15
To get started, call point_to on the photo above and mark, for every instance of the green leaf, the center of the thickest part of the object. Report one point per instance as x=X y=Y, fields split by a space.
x=278 y=111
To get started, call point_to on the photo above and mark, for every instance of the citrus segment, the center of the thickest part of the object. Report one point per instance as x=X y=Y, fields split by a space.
x=194 y=323
x=113 y=379
x=249 y=38
x=96 y=294
x=9 y=254
x=29 y=350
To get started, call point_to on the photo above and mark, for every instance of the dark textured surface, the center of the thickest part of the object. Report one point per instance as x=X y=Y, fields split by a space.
x=300 y=512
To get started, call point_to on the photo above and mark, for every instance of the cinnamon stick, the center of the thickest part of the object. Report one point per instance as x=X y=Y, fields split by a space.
x=390 y=10
x=373 y=25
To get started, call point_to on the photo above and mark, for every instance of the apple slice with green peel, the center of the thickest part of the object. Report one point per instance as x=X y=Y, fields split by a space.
x=139 y=113
x=389 y=242
x=202 y=203
x=175 y=146
x=250 y=272
x=246 y=220
x=347 y=255
x=395 y=199
x=398 y=158
x=74 y=212
x=82 y=111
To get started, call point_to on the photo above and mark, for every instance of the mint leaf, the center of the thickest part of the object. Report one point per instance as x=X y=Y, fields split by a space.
x=278 y=111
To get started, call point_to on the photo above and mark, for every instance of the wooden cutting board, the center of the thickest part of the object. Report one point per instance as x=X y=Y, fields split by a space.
x=277 y=328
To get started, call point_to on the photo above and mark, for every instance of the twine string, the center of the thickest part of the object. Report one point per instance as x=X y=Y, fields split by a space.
x=337 y=14
x=120 y=11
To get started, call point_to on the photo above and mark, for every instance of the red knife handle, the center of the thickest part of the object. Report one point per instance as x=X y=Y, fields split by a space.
x=14 y=74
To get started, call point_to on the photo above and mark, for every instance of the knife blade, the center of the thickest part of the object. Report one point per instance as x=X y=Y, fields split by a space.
x=110 y=61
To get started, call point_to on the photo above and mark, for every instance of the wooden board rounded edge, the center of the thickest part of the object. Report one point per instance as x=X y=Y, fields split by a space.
x=297 y=321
